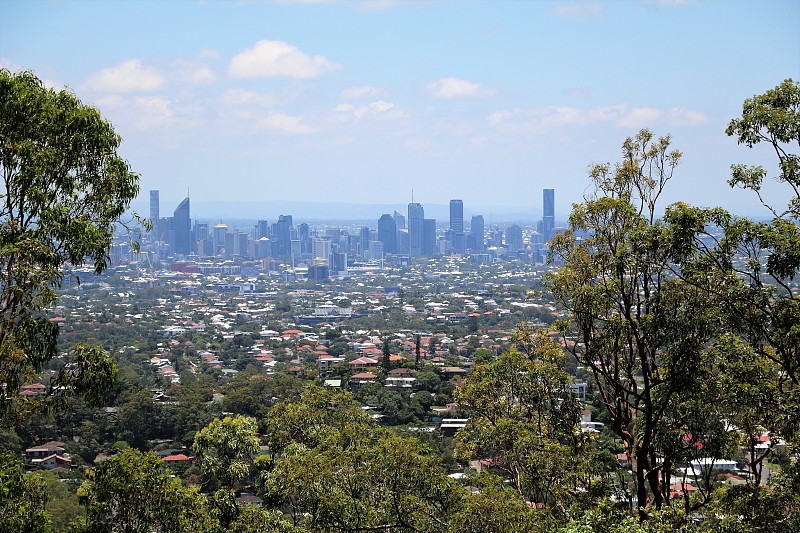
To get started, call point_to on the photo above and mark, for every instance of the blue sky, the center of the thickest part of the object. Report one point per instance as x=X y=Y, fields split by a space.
x=364 y=101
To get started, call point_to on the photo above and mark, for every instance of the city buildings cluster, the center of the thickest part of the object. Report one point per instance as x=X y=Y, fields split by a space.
x=326 y=250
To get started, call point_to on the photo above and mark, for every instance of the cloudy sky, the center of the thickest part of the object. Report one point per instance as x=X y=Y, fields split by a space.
x=363 y=102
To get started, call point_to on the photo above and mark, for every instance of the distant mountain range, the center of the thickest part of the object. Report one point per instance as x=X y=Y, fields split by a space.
x=340 y=211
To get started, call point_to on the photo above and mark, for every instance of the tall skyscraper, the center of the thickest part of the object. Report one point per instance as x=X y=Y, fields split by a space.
x=282 y=237
x=476 y=230
x=457 y=216
x=363 y=240
x=182 y=227
x=262 y=229
x=457 y=241
x=514 y=238
x=548 y=214
x=399 y=221
x=416 y=215
x=429 y=236
x=154 y=212
x=387 y=233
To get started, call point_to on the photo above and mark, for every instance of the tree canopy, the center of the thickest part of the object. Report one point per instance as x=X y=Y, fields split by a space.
x=63 y=190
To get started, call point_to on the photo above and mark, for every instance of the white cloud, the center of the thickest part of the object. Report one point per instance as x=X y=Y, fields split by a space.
x=376 y=5
x=576 y=9
x=620 y=115
x=378 y=108
x=686 y=117
x=639 y=117
x=358 y=93
x=208 y=53
x=242 y=97
x=283 y=123
x=152 y=111
x=456 y=88
x=10 y=65
x=269 y=59
x=128 y=76
x=193 y=73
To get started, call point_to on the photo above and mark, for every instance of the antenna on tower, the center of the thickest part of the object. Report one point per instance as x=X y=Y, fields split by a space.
x=412 y=196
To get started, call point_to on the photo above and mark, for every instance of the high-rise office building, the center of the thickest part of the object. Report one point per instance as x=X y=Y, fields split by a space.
x=375 y=250
x=154 y=211
x=457 y=241
x=399 y=221
x=321 y=251
x=514 y=238
x=457 y=216
x=262 y=229
x=387 y=233
x=201 y=239
x=218 y=238
x=476 y=230
x=282 y=237
x=548 y=214
x=364 y=240
x=416 y=216
x=402 y=242
x=429 y=236
x=182 y=228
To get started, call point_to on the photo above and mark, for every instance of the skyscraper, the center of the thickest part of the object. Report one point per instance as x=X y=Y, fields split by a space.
x=399 y=221
x=548 y=214
x=218 y=238
x=387 y=233
x=457 y=216
x=514 y=238
x=457 y=241
x=416 y=215
x=154 y=212
x=363 y=240
x=182 y=228
x=282 y=237
x=429 y=236
x=476 y=230
x=262 y=229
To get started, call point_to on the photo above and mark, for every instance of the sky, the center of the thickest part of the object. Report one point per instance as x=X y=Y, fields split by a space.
x=369 y=102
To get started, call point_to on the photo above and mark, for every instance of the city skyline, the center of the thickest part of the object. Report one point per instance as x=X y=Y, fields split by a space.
x=334 y=247
x=488 y=102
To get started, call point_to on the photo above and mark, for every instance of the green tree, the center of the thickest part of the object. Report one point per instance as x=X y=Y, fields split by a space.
x=22 y=498
x=133 y=492
x=62 y=505
x=639 y=330
x=524 y=420
x=750 y=270
x=225 y=451
x=64 y=189
x=334 y=470
x=495 y=507
x=772 y=118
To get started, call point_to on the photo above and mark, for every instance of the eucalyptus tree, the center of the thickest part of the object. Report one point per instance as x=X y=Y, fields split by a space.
x=524 y=421
x=640 y=331
x=332 y=468
x=750 y=268
x=63 y=190
x=225 y=451
x=134 y=492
